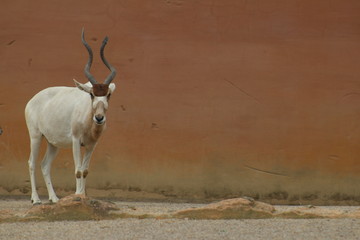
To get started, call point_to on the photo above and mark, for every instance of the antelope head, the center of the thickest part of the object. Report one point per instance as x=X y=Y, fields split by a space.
x=98 y=92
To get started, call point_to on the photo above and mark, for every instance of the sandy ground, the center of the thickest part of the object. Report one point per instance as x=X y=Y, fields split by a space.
x=177 y=228
x=184 y=229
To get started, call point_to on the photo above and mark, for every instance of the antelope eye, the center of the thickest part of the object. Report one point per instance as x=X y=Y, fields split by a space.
x=92 y=95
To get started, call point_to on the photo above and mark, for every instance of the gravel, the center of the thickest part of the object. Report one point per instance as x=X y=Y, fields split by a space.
x=176 y=228
x=184 y=229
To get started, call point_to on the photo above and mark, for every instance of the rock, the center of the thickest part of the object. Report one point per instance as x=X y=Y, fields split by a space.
x=72 y=207
x=237 y=208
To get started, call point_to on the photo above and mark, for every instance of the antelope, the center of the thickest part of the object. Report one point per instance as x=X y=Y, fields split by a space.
x=68 y=117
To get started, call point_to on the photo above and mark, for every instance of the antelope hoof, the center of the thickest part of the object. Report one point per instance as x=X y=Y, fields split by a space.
x=35 y=203
x=53 y=200
x=80 y=192
x=35 y=200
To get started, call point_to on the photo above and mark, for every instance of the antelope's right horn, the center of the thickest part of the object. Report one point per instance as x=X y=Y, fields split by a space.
x=88 y=65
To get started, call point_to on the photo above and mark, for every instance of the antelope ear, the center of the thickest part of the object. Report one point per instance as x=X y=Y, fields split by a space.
x=112 y=87
x=83 y=87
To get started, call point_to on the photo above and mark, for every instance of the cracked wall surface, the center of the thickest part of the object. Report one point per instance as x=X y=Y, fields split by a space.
x=213 y=98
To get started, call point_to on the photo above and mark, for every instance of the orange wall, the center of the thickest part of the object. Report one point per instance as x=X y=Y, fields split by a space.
x=214 y=98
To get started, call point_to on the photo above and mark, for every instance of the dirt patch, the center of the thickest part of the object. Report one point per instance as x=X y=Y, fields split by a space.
x=238 y=208
x=317 y=212
x=73 y=207
x=247 y=208
x=80 y=207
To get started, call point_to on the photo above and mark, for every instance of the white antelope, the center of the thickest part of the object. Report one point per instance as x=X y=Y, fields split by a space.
x=68 y=117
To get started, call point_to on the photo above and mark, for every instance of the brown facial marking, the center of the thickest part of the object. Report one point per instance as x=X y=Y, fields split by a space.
x=100 y=89
x=85 y=173
x=78 y=174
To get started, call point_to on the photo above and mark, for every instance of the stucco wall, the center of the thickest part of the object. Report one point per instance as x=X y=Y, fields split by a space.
x=213 y=99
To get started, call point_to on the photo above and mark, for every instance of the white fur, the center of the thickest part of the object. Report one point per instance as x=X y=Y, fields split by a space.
x=65 y=116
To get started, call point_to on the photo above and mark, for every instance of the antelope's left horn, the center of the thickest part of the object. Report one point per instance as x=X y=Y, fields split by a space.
x=111 y=76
